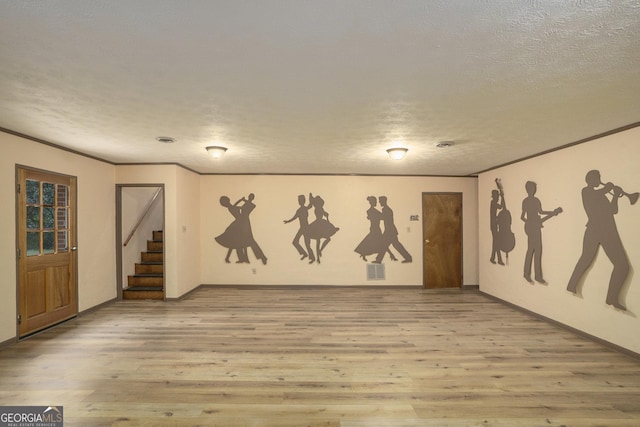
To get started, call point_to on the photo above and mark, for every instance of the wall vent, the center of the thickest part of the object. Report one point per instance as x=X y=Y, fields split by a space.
x=375 y=272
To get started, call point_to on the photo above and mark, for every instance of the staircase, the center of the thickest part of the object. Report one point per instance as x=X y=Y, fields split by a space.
x=148 y=280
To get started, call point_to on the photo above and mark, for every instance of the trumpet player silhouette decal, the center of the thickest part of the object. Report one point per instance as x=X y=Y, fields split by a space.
x=600 y=203
x=500 y=222
x=531 y=211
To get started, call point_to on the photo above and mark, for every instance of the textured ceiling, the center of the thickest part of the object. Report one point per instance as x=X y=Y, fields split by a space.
x=294 y=86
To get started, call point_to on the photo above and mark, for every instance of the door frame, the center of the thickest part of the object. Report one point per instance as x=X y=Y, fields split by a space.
x=119 y=187
x=72 y=244
x=461 y=195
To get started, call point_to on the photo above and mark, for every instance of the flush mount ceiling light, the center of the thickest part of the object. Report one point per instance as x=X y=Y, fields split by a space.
x=216 y=151
x=165 y=139
x=397 y=153
x=444 y=144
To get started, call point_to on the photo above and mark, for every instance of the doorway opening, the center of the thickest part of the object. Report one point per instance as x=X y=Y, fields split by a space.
x=140 y=242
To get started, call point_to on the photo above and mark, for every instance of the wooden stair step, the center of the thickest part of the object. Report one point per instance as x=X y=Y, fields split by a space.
x=149 y=267
x=143 y=288
x=149 y=279
x=142 y=292
x=152 y=256
x=155 y=245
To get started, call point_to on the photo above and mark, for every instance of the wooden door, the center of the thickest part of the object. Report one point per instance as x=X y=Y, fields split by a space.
x=47 y=279
x=442 y=240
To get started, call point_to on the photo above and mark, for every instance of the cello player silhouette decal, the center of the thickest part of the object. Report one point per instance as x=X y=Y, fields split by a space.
x=500 y=221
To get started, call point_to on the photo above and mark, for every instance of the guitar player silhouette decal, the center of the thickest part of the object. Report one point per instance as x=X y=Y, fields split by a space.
x=533 y=223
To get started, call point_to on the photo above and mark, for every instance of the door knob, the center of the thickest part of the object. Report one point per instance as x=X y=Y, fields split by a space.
x=427 y=241
x=74 y=248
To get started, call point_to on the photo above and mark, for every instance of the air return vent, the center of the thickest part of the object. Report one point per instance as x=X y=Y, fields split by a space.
x=375 y=272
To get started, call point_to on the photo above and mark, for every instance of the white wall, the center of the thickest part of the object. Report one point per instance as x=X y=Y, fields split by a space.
x=560 y=177
x=345 y=200
x=96 y=222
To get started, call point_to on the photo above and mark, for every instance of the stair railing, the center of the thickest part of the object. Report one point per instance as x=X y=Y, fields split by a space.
x=144 y=214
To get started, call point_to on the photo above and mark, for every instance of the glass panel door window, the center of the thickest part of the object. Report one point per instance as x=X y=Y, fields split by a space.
x=47 y=219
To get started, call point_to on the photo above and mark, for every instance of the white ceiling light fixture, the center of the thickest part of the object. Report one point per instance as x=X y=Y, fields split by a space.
x=397 y=153
x=216 y=151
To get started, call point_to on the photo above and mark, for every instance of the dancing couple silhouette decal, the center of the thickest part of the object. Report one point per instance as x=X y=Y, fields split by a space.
x=238 y=235
x=321 y=229
x=379 y=241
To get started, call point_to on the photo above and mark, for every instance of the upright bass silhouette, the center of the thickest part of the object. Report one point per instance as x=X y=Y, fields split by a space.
x=503 y=238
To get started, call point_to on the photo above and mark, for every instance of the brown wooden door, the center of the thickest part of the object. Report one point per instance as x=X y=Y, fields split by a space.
x=47 y=280
x=442 y=240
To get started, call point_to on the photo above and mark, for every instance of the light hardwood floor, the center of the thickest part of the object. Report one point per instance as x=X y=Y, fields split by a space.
x=321 y=357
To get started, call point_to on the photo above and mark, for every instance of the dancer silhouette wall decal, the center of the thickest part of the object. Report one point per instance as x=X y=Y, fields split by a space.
x=390 y=234
x=321 y=229
x=238 y=235
x=302 y=215
x=533 y=224
x=500 y=223
x=600 y=203
x=374 y=242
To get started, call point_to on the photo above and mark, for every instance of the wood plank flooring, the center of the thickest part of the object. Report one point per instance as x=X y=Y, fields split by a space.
x=320 y=356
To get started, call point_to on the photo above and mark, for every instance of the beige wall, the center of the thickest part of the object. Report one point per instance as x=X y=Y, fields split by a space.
x=194 y=217
x=96 y=222
x=188 y=231
x=159 y=174
x=560 y=176
x=345 y=200
x=181 y=233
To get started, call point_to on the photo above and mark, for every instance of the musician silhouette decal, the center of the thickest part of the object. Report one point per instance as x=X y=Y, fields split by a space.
x=600 y=203
x=533 y=223
x=500 y=223
x=321 y=229
x=377 y=241
x=238 y=235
